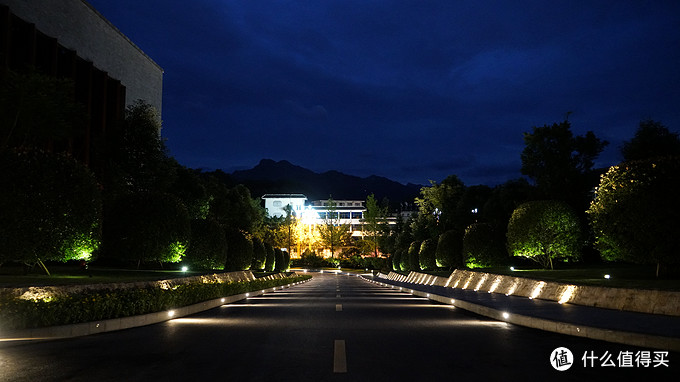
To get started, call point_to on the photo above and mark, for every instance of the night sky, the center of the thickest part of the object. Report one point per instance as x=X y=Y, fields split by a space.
x=409 y=90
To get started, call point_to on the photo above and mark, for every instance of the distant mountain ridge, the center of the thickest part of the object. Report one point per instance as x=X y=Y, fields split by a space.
x=269 y=177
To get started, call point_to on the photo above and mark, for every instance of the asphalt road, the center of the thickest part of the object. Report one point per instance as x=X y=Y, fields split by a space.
x=335 y=327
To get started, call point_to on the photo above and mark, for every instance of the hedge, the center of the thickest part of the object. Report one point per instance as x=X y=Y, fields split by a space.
x=93 y=305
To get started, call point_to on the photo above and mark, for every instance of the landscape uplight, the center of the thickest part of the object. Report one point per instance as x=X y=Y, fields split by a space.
x=171 y=313
x=506 y=315
x=185 y=268
x=512 y=268
x=607 y=277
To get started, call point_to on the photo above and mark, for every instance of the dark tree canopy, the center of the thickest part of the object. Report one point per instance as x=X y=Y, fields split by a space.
x=652 y=139
x=39 y=111
x=147 y=226
x=50 y=207
x=240 y=251
x=136 y=158
x=636 y=211
x=208 y=248
x=484 y=246
x=561 y=163
x=448 y=253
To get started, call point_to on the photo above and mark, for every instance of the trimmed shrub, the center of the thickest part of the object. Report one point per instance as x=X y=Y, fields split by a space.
x=396 y=260
x=449 y=249
x=270 y=260
x=147 y=227
x=50 y=208
x=484 y=246
x=426 y=254
x=208 y=249
x=414 y=256
x=259 y=255
x=240 y=251
x=279 y=262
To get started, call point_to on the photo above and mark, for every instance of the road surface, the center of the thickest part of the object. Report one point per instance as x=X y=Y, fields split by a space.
x=333 y=328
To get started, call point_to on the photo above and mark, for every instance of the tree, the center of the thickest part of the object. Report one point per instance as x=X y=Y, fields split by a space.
x=50 y=208
x=147 y=226
x=504 y=199
x=426 y=254
x=545 y=230
x=484 y=246
x=39 y=111
x=136 y=158
x=561 y=163
x=438 y=203
x=470 y=206
x=651 y=140
x=208 y=249
x=448 y=254
x=333 y=234
x=636 y=211
x=374 y=221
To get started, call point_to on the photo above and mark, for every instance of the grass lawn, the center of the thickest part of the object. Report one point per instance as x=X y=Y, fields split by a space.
x=13 y=276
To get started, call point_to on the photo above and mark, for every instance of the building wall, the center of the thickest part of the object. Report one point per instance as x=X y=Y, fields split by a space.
x=78 y=26
x=275 y=203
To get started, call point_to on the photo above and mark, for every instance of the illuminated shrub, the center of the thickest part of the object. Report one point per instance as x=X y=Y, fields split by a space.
x=544 y=230
x=270 y=260
x=208 y=249
x=414 y=256
x=259 y=255
x=147 y=227
x=50 y=207
x=396 y=260
x=448 y=253
x=484 y=246
x=636 y=211
x=426 y=254
x=240 y=251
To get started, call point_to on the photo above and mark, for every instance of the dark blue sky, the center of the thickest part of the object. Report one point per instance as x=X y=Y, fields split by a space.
x=409 y=90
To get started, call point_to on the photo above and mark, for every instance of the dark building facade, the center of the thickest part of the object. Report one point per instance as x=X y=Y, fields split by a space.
x=69 y=39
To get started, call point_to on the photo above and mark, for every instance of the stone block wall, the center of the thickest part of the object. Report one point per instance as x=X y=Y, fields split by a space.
x=635 y=300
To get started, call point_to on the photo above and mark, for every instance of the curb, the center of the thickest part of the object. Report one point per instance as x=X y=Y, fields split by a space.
x=103 y=326
x=616 y=336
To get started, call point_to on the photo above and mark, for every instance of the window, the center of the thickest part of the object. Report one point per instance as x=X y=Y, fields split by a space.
x=344 y=215
x=357 y=215
x=277 y=203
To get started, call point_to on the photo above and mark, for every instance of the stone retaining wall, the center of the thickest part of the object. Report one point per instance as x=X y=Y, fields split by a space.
x=635 y=300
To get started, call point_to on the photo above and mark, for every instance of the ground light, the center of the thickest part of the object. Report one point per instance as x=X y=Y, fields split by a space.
x=185 y=268
x=607 y=277
x=506 y=315
x=171 y=313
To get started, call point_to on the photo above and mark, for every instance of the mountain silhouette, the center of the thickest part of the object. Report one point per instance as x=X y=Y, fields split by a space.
x=272 y=177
